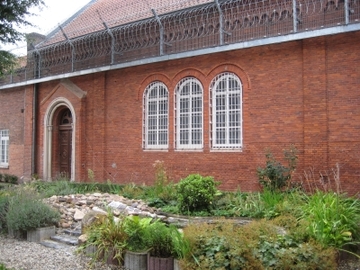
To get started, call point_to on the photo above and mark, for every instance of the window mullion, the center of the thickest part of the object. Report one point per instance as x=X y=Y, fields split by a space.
x=158 y=117
x=190 y=113
x=227 y=114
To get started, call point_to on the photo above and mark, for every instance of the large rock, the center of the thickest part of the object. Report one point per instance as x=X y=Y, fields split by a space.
x=79 y=215
x=93 y=216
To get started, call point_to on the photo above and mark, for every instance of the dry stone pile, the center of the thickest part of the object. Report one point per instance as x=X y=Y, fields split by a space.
x=73 y=208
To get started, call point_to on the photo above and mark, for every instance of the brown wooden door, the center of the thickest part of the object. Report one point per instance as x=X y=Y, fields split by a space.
x=65 y=134
x=65 y=144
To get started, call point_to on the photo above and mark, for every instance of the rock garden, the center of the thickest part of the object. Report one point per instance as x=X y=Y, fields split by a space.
x=194 y=225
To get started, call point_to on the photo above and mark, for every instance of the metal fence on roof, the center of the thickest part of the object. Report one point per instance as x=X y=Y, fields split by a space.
x=208 y=25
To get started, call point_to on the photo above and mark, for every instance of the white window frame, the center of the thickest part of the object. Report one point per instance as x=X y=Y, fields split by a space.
x=226 y=134
x=193 y=125
x=4 y=148
x=160 y=118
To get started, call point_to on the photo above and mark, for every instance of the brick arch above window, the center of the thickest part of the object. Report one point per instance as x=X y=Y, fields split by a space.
x=152 y=78
x=233 y=68
x=189 y=72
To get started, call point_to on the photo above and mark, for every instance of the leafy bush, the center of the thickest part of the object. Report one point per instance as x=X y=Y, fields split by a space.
x=196 y=192
x=258 y=245
x=4 y=205
x=49 y=189
x=26 y=211
x=109 y=237
x=14 y=179
x=275 y=176
x=3 y=267
x=138 y=235
x=333 y=219
x=166 y=241
x=9 y=178
x=132 y=191
x=65 y=187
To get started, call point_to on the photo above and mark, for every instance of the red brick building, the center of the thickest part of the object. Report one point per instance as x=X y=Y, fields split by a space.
x=204 y=86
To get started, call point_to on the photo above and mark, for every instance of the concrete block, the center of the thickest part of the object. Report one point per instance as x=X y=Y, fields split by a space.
x=40 y=234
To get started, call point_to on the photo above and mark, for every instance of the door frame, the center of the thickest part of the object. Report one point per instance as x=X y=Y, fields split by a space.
x=48 y=137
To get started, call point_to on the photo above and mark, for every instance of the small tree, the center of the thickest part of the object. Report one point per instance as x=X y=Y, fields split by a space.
x=275 y=176
x=12 y=15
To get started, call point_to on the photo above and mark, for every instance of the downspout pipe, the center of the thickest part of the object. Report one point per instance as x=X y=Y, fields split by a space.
x=34 y=133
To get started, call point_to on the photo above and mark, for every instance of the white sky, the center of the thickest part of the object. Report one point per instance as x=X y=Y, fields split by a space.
x=47 y=19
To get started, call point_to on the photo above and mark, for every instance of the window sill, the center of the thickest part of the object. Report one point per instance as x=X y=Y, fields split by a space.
x=155 y=150
x=189 y=150
x=238 y=150
x=4 y=166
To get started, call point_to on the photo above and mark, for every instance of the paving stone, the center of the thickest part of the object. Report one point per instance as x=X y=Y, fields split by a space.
x=53 y=244
x=76 y=233
x=66 y=239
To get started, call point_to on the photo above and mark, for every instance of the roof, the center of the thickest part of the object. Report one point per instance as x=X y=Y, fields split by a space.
x=90 y=18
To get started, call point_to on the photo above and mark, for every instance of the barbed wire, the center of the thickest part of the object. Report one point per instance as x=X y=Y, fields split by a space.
x=184 y=26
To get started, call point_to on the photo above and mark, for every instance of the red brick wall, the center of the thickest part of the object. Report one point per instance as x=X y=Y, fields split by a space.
x=304 y=93
x=16 y=116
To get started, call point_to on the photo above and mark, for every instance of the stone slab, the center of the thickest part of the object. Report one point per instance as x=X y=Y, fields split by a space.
x=53 y=244
x=66 y=239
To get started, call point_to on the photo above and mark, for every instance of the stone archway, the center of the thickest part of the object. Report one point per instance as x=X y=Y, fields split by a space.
x=59 y=140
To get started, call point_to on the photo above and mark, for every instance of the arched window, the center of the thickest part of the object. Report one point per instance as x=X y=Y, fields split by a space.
x=66 y=117
x=189 y=114
x=226 y=111
x=156 y=116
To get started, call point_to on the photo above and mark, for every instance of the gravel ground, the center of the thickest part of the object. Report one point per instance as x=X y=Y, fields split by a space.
x=23 y=255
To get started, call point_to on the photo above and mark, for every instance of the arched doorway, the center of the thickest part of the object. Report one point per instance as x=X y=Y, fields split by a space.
x=65 y=143
x=59 y=140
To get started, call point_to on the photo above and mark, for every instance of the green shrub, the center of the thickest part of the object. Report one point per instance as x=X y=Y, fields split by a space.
x=48 y=189
x=136 y=229
x=109 y=237
x=9 y=178
x=249 y=205
x=4 y=205
x=333 y=219
x=257 y=245
x=26 y=211
x=196 y=192
x=65 y=187
x=13 y=179
x=3 y=267
x=132 y=191
x=275 y=176
x=166 y=241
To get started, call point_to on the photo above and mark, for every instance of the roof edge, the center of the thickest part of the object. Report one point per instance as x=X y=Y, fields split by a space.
x=67 y=21
x=230 y=47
